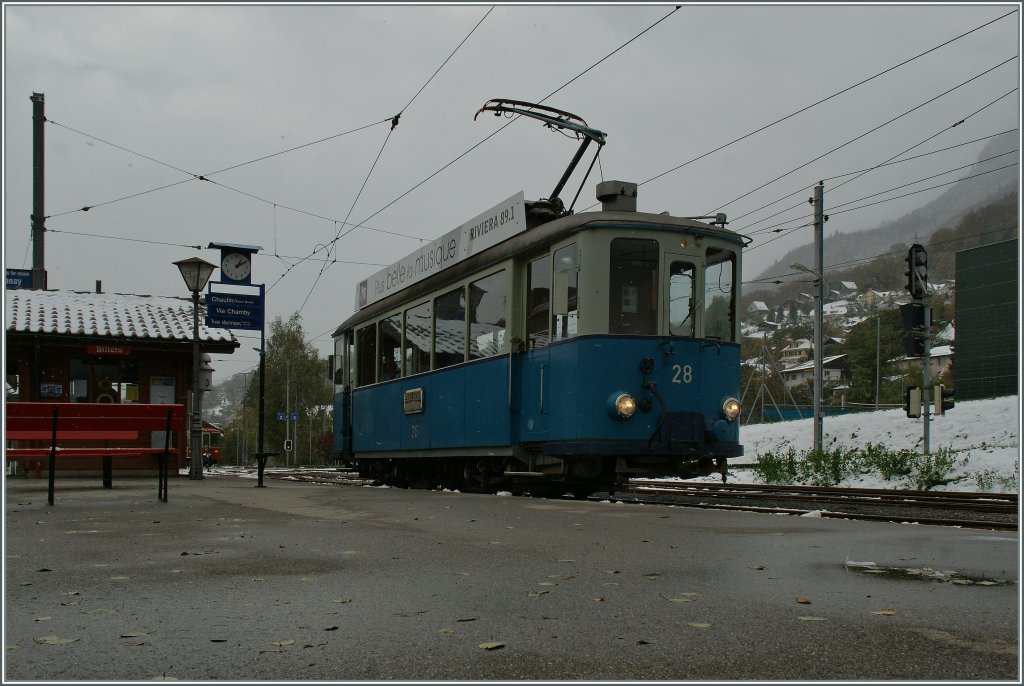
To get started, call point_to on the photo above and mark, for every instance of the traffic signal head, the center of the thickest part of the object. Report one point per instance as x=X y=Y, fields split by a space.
x=943 y=398
x=917 y=272
x=912 y=402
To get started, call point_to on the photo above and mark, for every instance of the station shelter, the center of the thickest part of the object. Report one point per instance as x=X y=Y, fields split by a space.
x=81 y=347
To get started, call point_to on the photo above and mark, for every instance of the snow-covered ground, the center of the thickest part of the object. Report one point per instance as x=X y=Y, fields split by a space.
x=984 y=435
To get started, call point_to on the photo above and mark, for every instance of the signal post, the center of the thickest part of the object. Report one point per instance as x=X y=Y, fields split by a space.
x=917 y=318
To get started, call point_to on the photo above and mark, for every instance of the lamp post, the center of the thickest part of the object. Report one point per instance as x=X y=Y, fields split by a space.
x=196 y=272
x=819 y=298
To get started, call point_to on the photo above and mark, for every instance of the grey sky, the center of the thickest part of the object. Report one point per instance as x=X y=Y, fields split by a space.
x=203 y=88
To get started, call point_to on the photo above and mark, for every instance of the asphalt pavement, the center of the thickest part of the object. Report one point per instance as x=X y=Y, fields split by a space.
x=306 y=582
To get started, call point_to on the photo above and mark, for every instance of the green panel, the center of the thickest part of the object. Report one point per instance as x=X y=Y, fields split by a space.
x=987 y=321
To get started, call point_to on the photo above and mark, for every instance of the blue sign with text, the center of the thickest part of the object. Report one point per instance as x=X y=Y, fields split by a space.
x=19 y=278
x=234 y=311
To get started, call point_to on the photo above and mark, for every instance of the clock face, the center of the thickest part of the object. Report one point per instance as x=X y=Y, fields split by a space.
x=236 y=266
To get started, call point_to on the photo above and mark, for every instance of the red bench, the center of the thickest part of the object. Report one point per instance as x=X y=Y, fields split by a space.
x=106 y=423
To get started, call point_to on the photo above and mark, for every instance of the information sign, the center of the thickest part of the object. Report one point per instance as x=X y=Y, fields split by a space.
x=497 y=224
x=234 y=311
x=19 y=278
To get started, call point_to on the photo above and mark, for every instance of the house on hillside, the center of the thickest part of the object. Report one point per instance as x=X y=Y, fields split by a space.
x=941 y=361
x=796 y=352
x=831 y=368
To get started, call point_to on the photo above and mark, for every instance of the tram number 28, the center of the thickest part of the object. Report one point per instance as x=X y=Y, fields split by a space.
x=682 y=373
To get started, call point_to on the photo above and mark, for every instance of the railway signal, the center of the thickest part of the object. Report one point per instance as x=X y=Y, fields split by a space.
x=943 y=398
x=912 y=402
x=917 y=271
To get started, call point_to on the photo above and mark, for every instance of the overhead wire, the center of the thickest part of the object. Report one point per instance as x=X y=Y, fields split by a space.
x=866 y=133
x=819 y=102
x=869 y=258
x=394 y=123
x=833 y=211
x=512 y=120
x=192 y=176
x=887 y=163
x=894 y=188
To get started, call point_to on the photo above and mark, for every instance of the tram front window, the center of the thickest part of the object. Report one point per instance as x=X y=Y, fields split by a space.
x=680 y=306
x=719 y=301
x=633 y=301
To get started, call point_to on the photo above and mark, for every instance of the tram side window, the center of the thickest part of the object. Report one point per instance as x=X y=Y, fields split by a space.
x=366 y=354
x=390 y=348
x=719 y=301
x=633 y=290
x=487 y=300
x=680 y=293
x=565 y=305
x=417 y=339
x=450 y=328
x=538 y=302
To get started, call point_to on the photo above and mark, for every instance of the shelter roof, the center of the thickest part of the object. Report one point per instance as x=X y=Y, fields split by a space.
x=114 y=315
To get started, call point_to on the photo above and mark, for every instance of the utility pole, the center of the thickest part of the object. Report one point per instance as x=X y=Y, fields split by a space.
x=819 y=267
x=878 y=355
x=38 y=211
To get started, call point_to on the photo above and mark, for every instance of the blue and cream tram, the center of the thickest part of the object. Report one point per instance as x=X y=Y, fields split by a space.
x=535 y=351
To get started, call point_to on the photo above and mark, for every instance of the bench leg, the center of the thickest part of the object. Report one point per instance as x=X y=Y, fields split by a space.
x=108 y=473
x=161 y=488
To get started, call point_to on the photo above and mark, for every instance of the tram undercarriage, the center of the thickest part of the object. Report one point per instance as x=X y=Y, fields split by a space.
x=538 y=474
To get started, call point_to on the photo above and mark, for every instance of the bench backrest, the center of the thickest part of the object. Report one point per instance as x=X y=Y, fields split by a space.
x=91 y=418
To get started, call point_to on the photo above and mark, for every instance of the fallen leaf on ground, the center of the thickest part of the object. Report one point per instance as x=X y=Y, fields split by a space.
x=286 y=642
x=808 y=618
x=342 y=600
x=446 y=630
x=467 y=619
x=803 y=600
x=133 y=634
x=700 y=625
x=492 y=646
x=53 y=640
x=887 y=612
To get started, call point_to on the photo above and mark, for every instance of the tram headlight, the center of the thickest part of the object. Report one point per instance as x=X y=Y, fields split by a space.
x=621 y=405
x=731 y=408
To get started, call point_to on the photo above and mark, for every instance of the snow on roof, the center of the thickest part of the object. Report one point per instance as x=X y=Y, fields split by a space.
x=758 y=306
x=809 y=365
x=849 y=285
x=119 y=315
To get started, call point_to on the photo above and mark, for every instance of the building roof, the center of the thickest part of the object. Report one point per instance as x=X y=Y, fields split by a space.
x=803 y=366
x=114 y=315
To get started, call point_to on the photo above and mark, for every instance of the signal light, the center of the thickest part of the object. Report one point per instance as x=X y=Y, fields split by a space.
x=912 y=402
x=917 y=271
x=943 y=398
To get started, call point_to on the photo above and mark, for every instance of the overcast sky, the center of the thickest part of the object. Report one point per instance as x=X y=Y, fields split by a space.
x=190 y=90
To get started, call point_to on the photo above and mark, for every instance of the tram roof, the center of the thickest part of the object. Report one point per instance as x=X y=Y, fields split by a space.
x=530 y=239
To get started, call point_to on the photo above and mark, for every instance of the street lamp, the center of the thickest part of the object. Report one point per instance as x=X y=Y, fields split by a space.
x=196 y=273
x=818 y=351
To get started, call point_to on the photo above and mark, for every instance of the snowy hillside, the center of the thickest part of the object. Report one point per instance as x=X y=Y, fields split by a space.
x=984 y=435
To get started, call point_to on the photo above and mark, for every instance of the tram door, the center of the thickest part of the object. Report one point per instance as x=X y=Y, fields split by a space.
x=535 y=371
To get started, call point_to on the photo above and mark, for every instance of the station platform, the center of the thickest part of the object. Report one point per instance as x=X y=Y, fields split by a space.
x=306 y=582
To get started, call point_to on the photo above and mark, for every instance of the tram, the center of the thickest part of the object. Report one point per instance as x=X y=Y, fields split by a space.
x=533 y=349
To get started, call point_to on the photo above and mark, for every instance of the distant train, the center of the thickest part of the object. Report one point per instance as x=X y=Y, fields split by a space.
x=535 y=350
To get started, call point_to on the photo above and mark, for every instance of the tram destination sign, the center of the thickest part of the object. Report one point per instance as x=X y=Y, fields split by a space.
x=501 y=222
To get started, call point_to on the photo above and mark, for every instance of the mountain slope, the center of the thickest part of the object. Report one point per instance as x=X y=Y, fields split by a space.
x=945 y=211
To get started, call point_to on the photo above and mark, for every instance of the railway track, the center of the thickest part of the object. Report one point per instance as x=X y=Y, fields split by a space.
x=942 y=508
